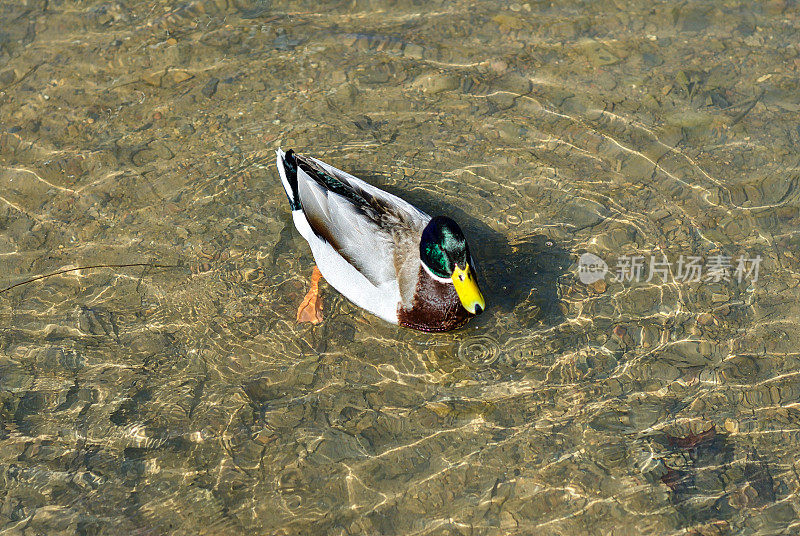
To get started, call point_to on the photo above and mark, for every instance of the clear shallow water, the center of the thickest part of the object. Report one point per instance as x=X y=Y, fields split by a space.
x=187 y=400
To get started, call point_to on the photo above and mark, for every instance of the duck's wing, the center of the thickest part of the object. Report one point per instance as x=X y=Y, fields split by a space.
x=373 y=230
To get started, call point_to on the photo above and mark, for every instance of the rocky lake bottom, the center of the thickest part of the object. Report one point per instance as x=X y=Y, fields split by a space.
x=156 y=381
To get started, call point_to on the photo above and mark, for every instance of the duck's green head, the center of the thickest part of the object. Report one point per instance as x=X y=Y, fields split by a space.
x=445 y=254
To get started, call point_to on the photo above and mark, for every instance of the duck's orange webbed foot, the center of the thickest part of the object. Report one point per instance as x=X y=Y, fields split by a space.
x=311 y=308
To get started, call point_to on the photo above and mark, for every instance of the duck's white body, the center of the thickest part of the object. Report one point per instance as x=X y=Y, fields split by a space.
x=374 y=282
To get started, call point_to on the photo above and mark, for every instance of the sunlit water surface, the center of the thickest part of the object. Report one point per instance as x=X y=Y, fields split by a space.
x=187 y=400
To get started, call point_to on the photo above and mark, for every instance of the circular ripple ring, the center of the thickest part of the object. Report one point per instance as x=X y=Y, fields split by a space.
x=479 y=350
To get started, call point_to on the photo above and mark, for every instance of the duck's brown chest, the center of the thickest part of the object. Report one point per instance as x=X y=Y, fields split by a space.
x=435 y=306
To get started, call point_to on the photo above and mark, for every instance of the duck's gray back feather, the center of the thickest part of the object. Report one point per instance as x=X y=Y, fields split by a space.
x=376 y=232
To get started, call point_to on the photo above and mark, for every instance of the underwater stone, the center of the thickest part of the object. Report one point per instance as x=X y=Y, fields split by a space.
x=436 y=83
x=210 y=88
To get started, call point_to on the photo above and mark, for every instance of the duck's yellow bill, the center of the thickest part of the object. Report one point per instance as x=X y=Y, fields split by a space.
x=468 y=291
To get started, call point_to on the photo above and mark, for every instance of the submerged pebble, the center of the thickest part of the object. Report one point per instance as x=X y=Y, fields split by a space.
x=210 y=88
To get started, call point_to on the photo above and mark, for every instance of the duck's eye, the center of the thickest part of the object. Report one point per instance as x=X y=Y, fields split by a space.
x=461 y=277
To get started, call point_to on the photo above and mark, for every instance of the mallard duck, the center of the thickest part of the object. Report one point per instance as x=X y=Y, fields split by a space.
x=379 y=251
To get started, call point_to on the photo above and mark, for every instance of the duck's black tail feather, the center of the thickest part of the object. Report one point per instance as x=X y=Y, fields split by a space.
x=287 y=168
